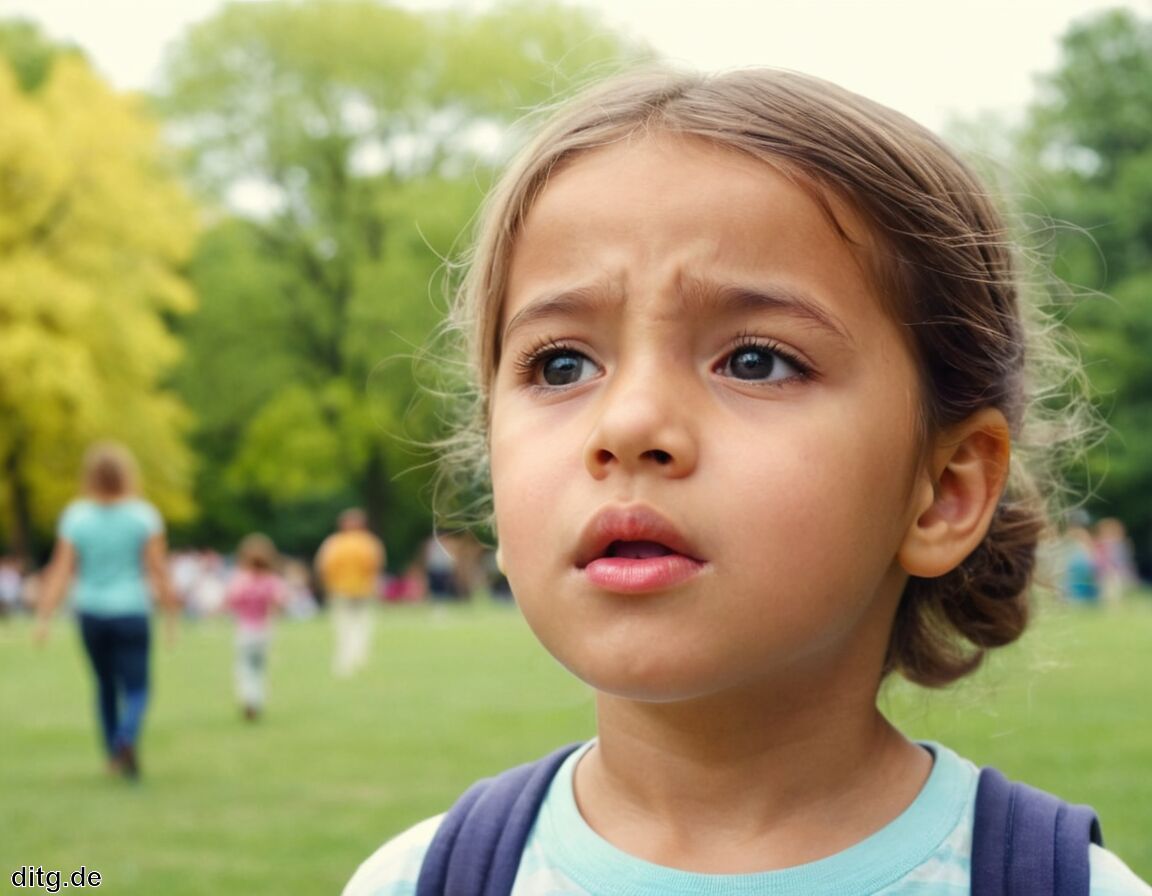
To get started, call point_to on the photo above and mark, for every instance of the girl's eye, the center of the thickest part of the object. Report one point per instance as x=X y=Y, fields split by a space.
x=563 y=367
x=759 y=363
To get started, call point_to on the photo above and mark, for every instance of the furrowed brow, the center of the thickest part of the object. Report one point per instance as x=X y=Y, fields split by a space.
x=737 y=298
x=562 y=304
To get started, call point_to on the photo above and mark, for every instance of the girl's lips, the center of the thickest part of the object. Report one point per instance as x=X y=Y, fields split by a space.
x=633 y=550
x=626 y=575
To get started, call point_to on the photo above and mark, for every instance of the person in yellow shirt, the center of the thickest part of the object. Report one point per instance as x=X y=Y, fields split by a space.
x=349 y=564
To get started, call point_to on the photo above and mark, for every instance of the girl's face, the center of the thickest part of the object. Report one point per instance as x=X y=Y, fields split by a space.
x=703 y=428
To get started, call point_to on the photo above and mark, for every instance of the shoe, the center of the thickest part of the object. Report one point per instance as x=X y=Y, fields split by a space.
x=125 y=760
x=251 y=713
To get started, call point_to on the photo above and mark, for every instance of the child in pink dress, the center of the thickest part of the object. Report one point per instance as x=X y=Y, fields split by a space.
x=255 y=592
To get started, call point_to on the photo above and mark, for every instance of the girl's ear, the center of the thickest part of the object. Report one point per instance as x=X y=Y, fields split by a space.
x=966 y=474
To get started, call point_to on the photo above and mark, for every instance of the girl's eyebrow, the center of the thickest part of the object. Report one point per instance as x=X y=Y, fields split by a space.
x=737 y=298
x=565 y=303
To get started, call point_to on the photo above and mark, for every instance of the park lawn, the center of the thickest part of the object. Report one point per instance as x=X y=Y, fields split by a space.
x=293 y=803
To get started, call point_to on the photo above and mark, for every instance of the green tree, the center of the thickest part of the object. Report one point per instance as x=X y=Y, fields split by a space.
x=1090 y=137
x=94 y=228
x=366 y=134
x=30 y=53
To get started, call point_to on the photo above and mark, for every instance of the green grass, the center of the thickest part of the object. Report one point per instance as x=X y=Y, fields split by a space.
x=292 y=804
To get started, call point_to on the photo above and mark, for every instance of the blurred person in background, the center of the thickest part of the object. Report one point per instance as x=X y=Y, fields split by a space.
x=349 y=564
x=11 y=585
x=207 y=592
x=301 y=602
x=1115 y=563
x=111 y=544
x=255 y=592
x=439 y=558
x=1081 y=578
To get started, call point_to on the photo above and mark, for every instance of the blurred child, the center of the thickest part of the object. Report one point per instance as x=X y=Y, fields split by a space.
x=256 y=591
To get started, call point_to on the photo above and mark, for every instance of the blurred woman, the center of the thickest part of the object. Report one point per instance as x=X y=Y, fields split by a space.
x=111 y=543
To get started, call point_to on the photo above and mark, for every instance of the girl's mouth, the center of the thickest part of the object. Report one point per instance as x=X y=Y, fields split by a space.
x=635 y=550
x=633 y=532
x=638 y=550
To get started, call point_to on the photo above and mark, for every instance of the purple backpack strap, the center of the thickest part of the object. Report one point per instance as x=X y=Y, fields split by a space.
x=476 y=850
x=1026 y=842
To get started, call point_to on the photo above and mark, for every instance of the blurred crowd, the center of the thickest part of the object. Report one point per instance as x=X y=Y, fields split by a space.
x=1096 y=561
x=450 y=566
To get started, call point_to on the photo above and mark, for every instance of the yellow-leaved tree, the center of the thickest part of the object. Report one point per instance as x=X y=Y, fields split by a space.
x=94 y=231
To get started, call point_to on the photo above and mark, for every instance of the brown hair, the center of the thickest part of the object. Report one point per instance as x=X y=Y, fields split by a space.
x=109 y=470
x=256 y=551
x=941 y=257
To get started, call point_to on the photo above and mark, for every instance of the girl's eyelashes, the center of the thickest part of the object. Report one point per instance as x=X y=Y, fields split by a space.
x=554 y=365
x=757 y=360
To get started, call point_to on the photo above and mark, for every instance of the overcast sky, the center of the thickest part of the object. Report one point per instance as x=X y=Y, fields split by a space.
x=928 y=58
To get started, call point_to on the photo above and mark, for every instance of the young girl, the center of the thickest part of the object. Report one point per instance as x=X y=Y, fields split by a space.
x=751 y=362
x=256 y=591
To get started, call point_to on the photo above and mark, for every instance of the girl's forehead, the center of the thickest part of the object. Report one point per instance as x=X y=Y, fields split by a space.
x=687 y=170
x=682 y=200
x=670 y=154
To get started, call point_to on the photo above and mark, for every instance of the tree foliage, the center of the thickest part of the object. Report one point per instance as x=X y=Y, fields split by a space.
x=1091 y=140
x=347 y=143
x=94 y=228
x=30 y=54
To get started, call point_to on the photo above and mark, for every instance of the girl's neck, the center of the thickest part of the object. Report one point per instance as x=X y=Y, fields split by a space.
x=716 y=788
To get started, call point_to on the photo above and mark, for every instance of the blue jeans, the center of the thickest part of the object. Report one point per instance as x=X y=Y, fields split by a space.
x=117 y=648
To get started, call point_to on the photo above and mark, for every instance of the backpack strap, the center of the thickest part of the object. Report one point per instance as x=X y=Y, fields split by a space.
x=476 y=850
x=1026 y=841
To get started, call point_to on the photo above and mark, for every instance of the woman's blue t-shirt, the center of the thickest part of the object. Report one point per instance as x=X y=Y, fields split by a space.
x=109 y=539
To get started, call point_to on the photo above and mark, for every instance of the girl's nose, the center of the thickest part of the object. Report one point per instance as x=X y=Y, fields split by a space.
x=643 y=426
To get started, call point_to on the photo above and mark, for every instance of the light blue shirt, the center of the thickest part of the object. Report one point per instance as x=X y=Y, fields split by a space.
x=109 y=539
x=925 y=850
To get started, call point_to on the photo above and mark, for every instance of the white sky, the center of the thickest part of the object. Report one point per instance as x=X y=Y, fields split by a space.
x=928 y=58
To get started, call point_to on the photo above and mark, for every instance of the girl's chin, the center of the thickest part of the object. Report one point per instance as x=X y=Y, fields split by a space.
x=654 y=680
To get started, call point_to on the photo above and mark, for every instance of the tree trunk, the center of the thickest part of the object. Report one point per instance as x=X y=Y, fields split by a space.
x=20 y=534
x=376 y=491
